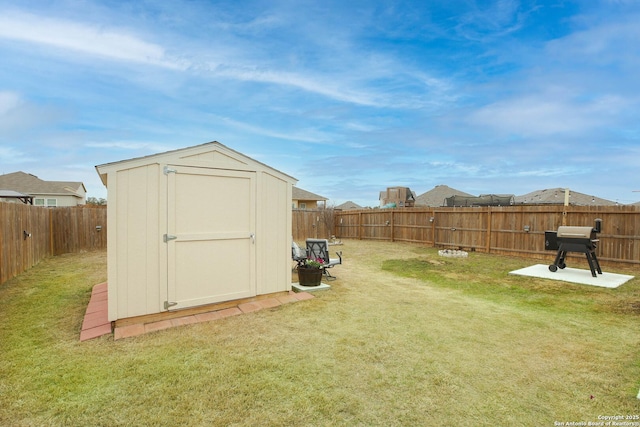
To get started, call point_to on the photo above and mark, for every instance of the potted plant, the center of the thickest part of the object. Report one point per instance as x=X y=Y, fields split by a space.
x=310 y=272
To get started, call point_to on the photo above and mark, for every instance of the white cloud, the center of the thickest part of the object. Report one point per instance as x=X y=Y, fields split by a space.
x=9 y=101
x=152 y=147
x=498 y=19
x=546 y=172
x=257 y=25
x=114 y=44
x=18 y=114
x=356 y=80
x=9 y=157
x=326 y=88
x=304 y=135
x=7 y=152
x=600 y=42
x=360 y=127
x=547 y=114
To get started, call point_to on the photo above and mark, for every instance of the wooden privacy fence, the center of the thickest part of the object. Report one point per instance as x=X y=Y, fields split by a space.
x=315 y=224
x=509 y=230
x=500 y=230
x=30 y=233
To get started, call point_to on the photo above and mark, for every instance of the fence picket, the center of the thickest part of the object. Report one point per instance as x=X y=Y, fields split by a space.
x=499 y=230
x=508 y=230
x=49 y=231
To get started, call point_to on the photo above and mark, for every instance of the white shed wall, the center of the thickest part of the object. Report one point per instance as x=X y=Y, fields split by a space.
x=137 y=220
x=274 y=225
x=133 y=243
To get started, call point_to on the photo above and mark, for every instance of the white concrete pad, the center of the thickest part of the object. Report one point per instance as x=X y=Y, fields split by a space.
x=574 y=275
x=297 y=287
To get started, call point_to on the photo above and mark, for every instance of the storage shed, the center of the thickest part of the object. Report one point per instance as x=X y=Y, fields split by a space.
x=192 y=227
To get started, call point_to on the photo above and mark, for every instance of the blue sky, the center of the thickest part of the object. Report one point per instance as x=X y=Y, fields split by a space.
x=349 y=97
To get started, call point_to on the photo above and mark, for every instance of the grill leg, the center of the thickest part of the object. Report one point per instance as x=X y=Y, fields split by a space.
x=595 y=260
x=591 y=266
x=559 y=261
x=594 y=265
x=590 y=253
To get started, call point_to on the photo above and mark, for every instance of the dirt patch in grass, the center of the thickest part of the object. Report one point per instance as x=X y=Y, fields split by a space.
x=402 y=338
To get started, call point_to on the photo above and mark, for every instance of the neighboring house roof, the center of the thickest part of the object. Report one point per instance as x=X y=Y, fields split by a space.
x=300 y=194
x=30 y=184
x=555 y=196
x=348 y=205
x=436 y=197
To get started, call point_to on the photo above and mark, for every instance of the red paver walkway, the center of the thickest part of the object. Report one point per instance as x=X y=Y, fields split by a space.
x=96 y=321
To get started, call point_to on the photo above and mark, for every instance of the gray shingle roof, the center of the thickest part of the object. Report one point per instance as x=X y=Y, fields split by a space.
x=300 y=194
x=555 y=196
x=436 y=196
x=348 y=205
x=30 y=184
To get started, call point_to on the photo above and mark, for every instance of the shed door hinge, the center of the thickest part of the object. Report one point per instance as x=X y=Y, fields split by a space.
x=167 y=170
x=168 y=304
x=168 y=237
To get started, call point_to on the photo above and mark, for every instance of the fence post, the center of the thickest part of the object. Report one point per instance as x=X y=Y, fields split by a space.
x=51 y=247
x=488 y=242
x=433 y=227
x=3 y=211
x=392 y=221
x=566 y=205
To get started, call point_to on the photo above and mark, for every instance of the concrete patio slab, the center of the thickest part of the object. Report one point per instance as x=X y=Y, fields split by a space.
x=297 y=287
x=574 y=275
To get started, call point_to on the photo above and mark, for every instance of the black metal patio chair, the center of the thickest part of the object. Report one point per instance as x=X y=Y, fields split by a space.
x=319 y=249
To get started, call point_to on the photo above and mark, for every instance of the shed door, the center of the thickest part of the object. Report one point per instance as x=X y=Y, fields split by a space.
x=210 y=240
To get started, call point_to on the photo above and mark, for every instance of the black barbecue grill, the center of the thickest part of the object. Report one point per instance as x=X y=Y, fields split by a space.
x=574 y=239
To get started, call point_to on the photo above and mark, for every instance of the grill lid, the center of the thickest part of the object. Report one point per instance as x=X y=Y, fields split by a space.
x=569 y=232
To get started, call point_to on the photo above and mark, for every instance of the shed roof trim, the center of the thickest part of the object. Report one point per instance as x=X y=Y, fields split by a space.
x=210 y=152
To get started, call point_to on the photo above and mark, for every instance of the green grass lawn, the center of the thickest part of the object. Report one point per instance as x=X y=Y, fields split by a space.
x=403 y=338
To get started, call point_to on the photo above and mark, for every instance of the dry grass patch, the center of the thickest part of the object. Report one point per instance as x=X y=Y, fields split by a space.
x=402 y=338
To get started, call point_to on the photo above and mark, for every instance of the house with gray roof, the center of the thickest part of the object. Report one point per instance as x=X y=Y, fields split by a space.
x=43 y=193
x=555 y=196
x=438 y=196
x=348 y=205
x=303 y=199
